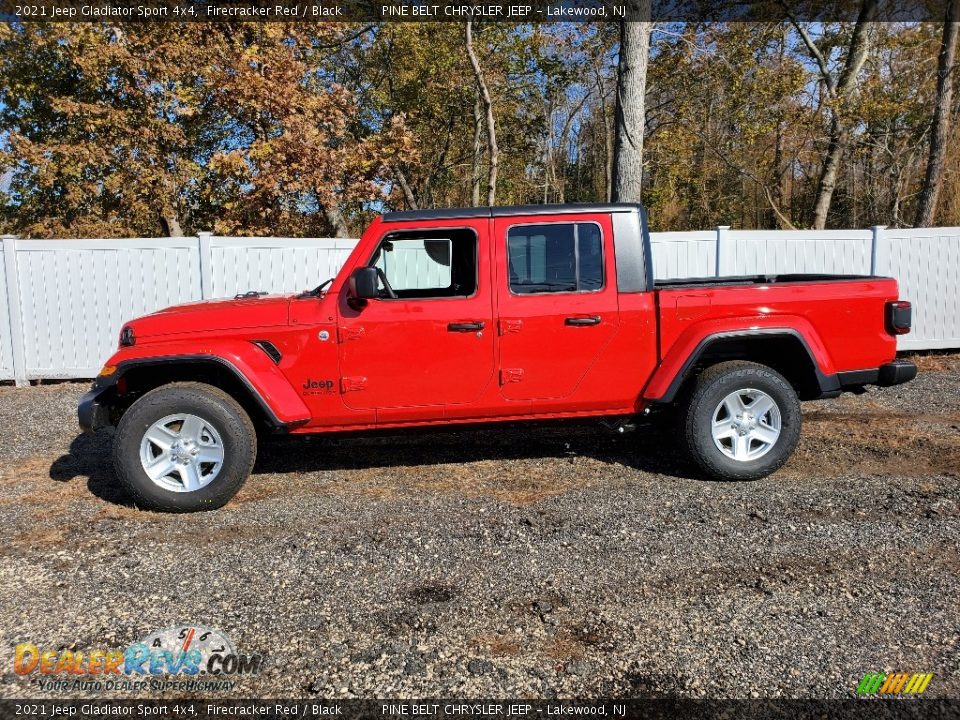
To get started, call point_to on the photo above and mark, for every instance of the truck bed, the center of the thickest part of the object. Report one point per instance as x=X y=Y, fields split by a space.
x=754 y=280
x=841 y=317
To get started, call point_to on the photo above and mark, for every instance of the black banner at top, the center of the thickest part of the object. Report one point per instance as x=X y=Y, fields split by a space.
x=515 y=11
x=473 y=709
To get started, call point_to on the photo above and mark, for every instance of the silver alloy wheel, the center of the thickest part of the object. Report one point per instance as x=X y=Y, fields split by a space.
x=746 y=424
x=182 y=453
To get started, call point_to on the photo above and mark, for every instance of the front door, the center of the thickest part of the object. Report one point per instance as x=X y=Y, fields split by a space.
x=557 y=302
x=427 y=341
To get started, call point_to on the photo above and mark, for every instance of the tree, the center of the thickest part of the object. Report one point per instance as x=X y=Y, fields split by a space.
x=167 y=128
x=301 y=163
x=484 y=92
x=838 y=89
x=630 y=114
x=98 y=120
x=422 y=72
x=940 y=125
x=310 y=128
x=416 y=71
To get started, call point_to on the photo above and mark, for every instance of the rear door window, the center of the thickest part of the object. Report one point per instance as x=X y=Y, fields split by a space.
x=555 y=257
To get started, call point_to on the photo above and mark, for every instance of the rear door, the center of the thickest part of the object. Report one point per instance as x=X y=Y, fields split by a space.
x=432 y=344
x=557 y=302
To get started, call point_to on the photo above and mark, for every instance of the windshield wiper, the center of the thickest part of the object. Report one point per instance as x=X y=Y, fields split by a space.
x=317 y=291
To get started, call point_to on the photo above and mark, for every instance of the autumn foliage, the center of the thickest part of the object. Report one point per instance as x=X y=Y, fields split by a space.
x=310 y=129
x=159 y=129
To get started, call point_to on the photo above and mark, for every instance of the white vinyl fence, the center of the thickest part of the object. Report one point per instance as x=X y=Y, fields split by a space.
x=62 y=302
x=925 y=261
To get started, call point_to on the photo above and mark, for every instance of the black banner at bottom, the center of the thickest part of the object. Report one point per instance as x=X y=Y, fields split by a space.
x=484 y=709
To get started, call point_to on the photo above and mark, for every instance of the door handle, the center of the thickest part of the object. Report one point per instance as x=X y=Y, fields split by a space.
x=581 y=321
x=465 y=327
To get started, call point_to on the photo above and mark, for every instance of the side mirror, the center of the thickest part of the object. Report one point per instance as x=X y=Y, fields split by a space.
x=364 y=284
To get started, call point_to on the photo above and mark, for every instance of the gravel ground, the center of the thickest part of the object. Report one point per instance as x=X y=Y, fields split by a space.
x=539 y=562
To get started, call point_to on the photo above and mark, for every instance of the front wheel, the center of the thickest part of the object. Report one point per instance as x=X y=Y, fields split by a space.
x=741 y=422
x=184 y=447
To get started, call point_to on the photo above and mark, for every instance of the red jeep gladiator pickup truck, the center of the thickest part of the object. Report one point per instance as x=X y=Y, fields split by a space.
x=480 y=315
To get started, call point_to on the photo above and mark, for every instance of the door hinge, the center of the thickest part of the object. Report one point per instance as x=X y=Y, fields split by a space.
x=349 y=384
x=510 y=326
x=511 y=375
x=350 y=332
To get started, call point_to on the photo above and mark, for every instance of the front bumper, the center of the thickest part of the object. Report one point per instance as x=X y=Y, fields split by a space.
x=92 y=412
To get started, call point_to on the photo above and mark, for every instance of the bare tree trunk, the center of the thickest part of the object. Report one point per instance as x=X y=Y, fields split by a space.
x=560 y=179
x=608 y=164
x=778 y=171
x=169 y=217
x=940 y=126
x=779 y=168
x=838 y=90
x=477 y=151
x=335 y=218
x=607 y=152
x=548 y=171
x=828 y=176
x=897 y=199
x=408 y=195
x=630 y=108
x=607 y=135
x=426 y=196
x=491 y=124
x=171 y=223
x=547 y=152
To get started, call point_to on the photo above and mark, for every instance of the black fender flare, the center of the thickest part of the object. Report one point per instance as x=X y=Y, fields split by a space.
x=94 y=413
x=829 y=384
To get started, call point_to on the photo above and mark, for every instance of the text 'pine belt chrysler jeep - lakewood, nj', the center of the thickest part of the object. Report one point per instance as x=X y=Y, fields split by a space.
x=480 y=315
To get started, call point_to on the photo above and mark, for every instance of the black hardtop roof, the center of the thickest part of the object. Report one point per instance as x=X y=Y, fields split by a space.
x=508 y=210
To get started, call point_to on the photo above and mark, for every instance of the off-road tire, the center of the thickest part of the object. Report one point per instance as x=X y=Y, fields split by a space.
x=697 y=414
x=216 y=408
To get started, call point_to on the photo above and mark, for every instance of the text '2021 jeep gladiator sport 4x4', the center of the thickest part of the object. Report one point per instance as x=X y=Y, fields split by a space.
x=479 y=315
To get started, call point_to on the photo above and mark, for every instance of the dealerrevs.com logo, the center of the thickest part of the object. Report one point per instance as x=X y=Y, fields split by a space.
x=170 y=659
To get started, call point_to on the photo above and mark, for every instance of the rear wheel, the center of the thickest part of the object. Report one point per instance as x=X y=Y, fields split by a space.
x=184 y=447
x=741 y=421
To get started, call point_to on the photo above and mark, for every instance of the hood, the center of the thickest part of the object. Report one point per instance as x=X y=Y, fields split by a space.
x=213 y=315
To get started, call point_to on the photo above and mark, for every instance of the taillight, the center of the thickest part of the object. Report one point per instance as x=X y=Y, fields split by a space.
x=899 y=317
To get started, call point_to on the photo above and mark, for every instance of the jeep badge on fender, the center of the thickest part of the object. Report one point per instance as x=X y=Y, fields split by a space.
x=316 y=386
